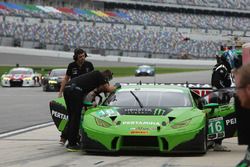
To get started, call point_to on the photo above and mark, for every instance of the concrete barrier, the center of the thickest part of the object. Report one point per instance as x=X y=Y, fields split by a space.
x=109 y=58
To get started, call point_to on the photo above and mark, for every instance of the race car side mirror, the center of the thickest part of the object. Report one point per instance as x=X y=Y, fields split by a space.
x=87 y=103
x=212 y=106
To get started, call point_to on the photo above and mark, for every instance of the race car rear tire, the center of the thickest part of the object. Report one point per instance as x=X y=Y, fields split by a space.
x=204 y=140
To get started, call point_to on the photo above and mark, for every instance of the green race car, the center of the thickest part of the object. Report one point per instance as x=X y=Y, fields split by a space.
x=157 y=117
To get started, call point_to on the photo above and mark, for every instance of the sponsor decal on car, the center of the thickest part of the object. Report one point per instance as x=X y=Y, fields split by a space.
x=144 y=111
x=159 y=111
x=137 y=110
x=59 y=115
x=231 y=121
x=144 y=128
x=139 y=132
x=216 y=128
x=140 y=123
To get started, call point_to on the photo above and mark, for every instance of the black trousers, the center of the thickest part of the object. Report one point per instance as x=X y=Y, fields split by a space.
x=64 y=134
x=74 y=102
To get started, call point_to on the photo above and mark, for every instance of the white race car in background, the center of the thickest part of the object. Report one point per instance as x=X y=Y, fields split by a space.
x=21 y=77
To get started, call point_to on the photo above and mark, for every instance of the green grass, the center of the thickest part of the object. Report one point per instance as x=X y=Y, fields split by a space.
x=118 y=71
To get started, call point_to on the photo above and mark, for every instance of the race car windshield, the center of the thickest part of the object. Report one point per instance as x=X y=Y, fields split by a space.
x=149 y=99
x=55 y=73
x=137 y=99
x=20 y=72
x=145 y=68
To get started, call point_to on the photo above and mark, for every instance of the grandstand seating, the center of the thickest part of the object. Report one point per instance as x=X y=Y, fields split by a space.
x=228 y=4
x=110 y=38
x=131 y=16
x=149 y=33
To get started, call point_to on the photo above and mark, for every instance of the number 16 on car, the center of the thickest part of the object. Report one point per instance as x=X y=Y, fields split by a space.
x=216 y=128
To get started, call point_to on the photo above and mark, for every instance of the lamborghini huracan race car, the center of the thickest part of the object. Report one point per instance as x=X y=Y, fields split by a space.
x=156 y=117
x=21 y=76
x=53 y=81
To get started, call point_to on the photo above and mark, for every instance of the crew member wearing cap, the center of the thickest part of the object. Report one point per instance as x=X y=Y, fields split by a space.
x=77 y=67
x=74 y=93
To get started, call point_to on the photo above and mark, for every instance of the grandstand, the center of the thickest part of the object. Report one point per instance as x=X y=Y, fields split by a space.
x=140 y=28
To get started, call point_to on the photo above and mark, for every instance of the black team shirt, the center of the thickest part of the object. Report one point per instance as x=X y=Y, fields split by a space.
x=89 y=81
x=74 y=70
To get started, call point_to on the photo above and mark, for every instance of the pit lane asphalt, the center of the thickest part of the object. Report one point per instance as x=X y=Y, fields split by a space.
x=40 y=148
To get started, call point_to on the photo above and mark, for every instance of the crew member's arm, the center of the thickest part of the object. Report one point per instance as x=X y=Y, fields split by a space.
x=105 y=88
x=65 y=80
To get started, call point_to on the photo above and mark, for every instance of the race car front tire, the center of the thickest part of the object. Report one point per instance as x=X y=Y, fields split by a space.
x=88 y=145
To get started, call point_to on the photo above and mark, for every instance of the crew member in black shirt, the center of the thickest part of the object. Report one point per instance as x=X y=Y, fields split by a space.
x=74 y=93
x=221 y=76
x=77 y=67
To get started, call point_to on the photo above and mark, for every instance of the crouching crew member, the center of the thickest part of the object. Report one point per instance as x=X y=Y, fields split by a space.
x=74 y=93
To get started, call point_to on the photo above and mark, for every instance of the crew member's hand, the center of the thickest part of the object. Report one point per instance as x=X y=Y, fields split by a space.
x=92 y=96
x=94 y=104
x=117 y=85
x=60 y=94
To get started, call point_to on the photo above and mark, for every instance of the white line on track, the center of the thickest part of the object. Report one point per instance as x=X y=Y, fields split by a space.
x=15 y=132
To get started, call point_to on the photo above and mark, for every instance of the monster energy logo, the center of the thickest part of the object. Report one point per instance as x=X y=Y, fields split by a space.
x=159 y=111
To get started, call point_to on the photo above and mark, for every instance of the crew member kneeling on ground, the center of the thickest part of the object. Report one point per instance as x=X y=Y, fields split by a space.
x=74 y=93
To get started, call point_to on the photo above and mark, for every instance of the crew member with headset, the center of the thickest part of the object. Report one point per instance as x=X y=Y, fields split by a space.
x=221 y=78
x=74 y=93
x=77 y=67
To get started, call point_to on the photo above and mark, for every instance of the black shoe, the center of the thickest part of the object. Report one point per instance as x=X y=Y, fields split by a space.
x=73 y=148
x=210 y=145
x=243 y=163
